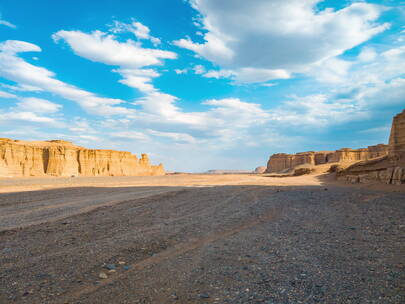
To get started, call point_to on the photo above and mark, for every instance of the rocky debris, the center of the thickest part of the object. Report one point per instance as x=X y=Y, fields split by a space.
x=204 y=296
x=335 y=168
x=302 y=171
x=62 y=158
x=389 y=169
x=110 y=266
x=102 y=275
x=343 y=245
x=281 y=161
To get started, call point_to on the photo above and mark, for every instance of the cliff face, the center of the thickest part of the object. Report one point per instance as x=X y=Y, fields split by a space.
x=397 y=137
x=282 y=161
x=389 y=169
x=61 y=158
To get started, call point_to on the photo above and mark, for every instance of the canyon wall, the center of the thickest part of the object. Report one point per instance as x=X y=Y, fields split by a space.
x=389 y=169
x=397 y=137
x=62 y=158
x=281 y=161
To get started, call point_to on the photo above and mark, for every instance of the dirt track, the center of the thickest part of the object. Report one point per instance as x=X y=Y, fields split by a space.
x=200 y=239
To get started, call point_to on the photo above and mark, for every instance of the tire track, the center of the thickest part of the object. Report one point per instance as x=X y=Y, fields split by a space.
x=174 y=252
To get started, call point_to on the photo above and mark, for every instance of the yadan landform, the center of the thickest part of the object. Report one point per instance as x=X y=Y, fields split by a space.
x=273 y=141
x=62 y=158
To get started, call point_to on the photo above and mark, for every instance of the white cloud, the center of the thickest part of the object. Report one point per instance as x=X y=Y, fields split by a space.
x=130 y=56
x=7 y=95
x=181 y=71
x=130 y=135
x=248 y=75
x=367 y=54
x=21 y=87
x=38 y=105
x=138 y=78
x=138 y=29
x=7 y=23
x=23 y=73
x=278 y=37
x=27 y=117
x=177 y=137
x=199 y=69
x=101 y=47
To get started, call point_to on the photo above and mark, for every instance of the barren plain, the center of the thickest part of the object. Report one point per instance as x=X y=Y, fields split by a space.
x=201 y=239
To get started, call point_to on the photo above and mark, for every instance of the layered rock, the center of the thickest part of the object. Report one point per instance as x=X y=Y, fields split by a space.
x=397 y=137
x=62 y=158
x=389 y=169
x=281 y=161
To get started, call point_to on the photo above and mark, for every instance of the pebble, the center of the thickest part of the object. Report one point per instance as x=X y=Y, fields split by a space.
x=126 y=267
x=174 y=296
x=110 y=266
x=204 y=296
x=102 y=275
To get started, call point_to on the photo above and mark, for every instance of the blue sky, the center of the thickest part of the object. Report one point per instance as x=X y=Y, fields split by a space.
x=202 y=84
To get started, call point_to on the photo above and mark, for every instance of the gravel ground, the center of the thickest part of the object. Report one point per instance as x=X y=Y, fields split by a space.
x=219 y=244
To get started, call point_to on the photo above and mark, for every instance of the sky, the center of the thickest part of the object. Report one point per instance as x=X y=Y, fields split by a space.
x=202 y=84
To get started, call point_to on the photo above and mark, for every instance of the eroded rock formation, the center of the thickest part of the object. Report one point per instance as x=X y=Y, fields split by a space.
x=389 y=169
x=281 y=161
x=260 y=170
x=62 y=158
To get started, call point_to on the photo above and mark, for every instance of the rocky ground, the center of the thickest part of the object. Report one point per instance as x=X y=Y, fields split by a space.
x=236 y=239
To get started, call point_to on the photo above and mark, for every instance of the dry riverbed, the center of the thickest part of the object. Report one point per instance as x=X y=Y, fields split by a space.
x=200 y=239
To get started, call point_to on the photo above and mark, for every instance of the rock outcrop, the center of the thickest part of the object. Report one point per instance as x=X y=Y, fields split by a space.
x=260 y=170
x=397 y=137
x=281 y=161
x=62 y=158
x=389 y=169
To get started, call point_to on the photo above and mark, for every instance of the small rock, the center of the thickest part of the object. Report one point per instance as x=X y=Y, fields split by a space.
x=110 y=266
x=121 y=262
x=204 y=296
x=126 y=267
x=102 y=275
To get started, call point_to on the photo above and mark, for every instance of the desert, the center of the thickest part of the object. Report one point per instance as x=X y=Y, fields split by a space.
x=200 y=239
x=202 y=152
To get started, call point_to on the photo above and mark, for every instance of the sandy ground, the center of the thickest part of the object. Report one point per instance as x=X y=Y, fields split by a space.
x=201 y=239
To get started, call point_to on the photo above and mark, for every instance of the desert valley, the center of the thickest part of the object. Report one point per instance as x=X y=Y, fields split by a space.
x=76 y=226
x=202 y=152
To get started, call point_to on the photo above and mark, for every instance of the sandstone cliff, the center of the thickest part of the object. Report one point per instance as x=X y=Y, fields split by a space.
x=281 y=161
x=389 y=169
x=62 y=158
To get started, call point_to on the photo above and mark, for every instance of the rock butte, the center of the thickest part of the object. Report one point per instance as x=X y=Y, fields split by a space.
x=389 y=169
x=281 y=161
x=63 y=158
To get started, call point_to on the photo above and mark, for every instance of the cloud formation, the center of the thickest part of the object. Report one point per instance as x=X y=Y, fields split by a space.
x=129 y=56
x=14 y=68
x=275 y=38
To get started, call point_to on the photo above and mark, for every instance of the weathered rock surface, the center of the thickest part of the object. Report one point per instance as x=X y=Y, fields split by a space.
x=281 y=161
x=62 y=158
x=389 y=169
x=260 y=170
x=397 y=137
